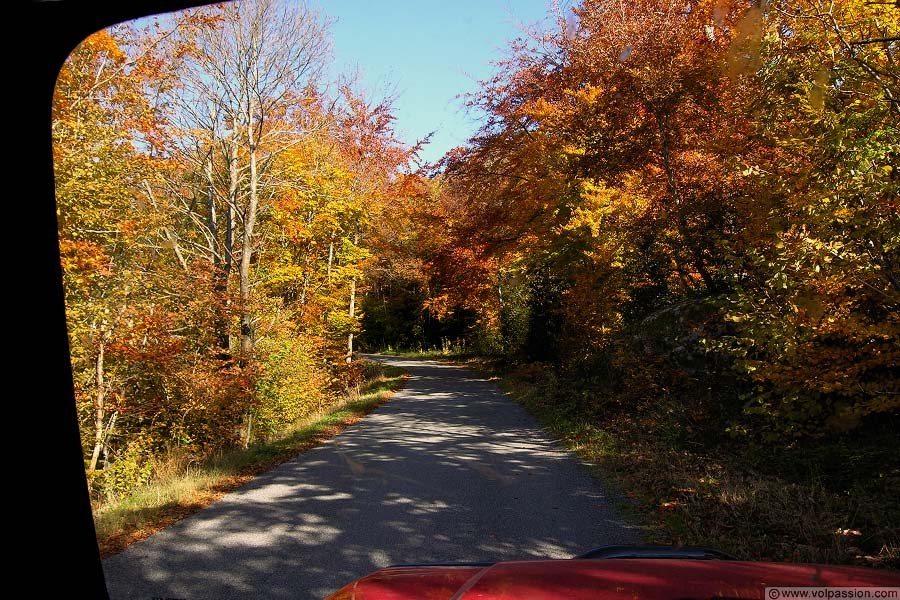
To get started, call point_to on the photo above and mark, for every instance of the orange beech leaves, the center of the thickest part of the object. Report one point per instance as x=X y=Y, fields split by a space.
x=707 y=187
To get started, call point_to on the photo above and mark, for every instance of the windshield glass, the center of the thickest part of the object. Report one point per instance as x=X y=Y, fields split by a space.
x=383 y=283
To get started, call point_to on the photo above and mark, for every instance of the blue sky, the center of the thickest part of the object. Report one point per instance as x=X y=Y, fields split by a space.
x=427 y=52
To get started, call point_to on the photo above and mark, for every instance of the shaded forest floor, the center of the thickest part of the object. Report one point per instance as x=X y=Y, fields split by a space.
x=182 y=488
x=830 y=500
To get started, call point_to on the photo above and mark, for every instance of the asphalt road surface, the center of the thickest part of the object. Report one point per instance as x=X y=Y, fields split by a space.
x=449 y=470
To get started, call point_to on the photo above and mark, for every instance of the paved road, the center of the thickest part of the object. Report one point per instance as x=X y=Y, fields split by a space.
x=448 y=470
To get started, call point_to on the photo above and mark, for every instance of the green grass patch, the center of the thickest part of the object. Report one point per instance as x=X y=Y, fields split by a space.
x=449 y=353
x=830 y=500
x=182 y=486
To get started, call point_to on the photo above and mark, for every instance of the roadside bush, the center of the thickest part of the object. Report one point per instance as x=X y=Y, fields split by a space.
x=292 y=383
x=129 y=469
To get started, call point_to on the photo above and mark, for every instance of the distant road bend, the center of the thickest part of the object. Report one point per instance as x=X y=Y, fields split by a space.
x=449 y=470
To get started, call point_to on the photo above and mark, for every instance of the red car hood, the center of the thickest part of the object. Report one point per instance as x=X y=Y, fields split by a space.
x=612 y=579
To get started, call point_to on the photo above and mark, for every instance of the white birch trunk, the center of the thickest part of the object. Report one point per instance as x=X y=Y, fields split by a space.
x=99 y=404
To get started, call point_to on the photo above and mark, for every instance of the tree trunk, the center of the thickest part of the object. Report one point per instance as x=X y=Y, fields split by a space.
x=211 y=217
x=224 y=257
x=247 y=248
x=106 y=433
x=99 y=405
x=220 y=278
x=328 y=273
x=249 y=431
x=352 y=311
x=307 y=259
x=230 y=208
x=330 y=255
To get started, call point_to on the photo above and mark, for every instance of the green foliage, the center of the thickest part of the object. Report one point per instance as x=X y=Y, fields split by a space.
x=292 y=385
x=393 y=316
x=130 y=468
x=515 y=314
x=814 y=312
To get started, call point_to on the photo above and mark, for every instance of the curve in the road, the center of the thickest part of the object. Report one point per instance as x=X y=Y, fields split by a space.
x=449 y=470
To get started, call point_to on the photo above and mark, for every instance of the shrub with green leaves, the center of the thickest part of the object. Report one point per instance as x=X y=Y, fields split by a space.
x=293 y=382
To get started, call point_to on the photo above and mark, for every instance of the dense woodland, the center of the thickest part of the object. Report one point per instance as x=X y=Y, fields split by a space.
x=695 y=201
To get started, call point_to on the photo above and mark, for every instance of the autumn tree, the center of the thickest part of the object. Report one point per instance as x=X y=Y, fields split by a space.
x=816 y=307
x=704 y=187
x=99 y=113
x=168 y=145
x=606 y=140
x=248 y=75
